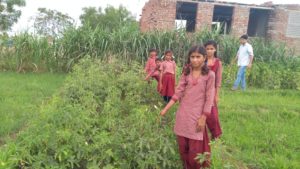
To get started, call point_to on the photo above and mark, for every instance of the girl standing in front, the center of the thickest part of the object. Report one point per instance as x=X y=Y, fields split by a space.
x=214 y=64
x=167 y=76
x=196 y=92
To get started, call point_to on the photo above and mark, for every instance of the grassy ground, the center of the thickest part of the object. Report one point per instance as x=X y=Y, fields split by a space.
x=261 y=128
x=20 y=97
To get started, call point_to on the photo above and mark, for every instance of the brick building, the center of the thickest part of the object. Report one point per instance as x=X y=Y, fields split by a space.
x=275 y=22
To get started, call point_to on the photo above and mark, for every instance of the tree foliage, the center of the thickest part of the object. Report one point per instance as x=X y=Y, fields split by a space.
x=9 y=14
x=51 y=22
x=110 y=18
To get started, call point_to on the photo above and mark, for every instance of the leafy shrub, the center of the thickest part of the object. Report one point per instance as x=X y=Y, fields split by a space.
x=101 y=118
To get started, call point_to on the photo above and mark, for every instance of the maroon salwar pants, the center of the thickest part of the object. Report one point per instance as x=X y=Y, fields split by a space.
x=189 y=149
x=213 y=122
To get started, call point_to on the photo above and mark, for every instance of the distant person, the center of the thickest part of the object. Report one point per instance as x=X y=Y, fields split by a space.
x=195 y=93
x=214 y=64
x=244 y=59
x=167 y=76
x=155 y=73
x=150 y=64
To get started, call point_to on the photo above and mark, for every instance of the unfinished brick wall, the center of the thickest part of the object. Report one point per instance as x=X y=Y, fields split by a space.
x=205 y=14
x=161 y=15
x=278 y=23
x=158 y=15
x=240 y=19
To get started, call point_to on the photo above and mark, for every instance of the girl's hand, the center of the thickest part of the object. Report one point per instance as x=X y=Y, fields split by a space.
x=163 y=112
x=167 y=107
x=160 y=87
x=217 y=98
x=201 y=123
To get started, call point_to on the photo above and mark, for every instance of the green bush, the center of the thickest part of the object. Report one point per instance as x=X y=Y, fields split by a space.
x=273 y=75
x=105 y=116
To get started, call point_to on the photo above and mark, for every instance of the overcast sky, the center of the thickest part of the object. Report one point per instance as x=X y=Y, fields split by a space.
x=74 y=8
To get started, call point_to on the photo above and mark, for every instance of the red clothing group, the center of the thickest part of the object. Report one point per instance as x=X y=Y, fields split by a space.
x=197 y=97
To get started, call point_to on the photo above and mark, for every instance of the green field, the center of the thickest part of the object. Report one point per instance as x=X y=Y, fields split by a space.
x=97 y=111
x=261 y=128
x=21 y=96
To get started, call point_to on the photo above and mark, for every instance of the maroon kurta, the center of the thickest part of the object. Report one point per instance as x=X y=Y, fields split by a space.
x=217 y=68
x=196 y=98
x=150 y=65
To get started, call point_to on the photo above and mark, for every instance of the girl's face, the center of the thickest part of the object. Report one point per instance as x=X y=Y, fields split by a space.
x=210 y=50
x=152 y=54
x=157 y=63
x=168 y=56
x=197 y=59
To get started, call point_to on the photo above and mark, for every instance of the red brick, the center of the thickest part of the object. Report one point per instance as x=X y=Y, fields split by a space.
x=157 y=16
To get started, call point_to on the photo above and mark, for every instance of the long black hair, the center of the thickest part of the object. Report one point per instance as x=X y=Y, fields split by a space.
x=202 y=51
x=214 y=44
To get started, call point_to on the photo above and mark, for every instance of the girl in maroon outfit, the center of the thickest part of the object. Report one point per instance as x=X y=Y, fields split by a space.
x=167 y=76
x=215 y=65
x=196 y=92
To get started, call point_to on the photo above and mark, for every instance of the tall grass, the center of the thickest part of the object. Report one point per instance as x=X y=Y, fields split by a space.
x=29 y=53
x=32 y=53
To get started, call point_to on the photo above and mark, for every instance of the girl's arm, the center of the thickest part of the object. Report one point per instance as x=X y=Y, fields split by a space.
x=180 y=89
x=175 y=71
x=167 y=107
x=218 y=80
x=161 y=76
x=209 y=94
x=209 y=99
x=178 y=94
x=150 y=74
x=147 y=77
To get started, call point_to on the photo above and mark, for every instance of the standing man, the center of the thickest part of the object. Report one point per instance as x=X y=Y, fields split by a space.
x=244 y=57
